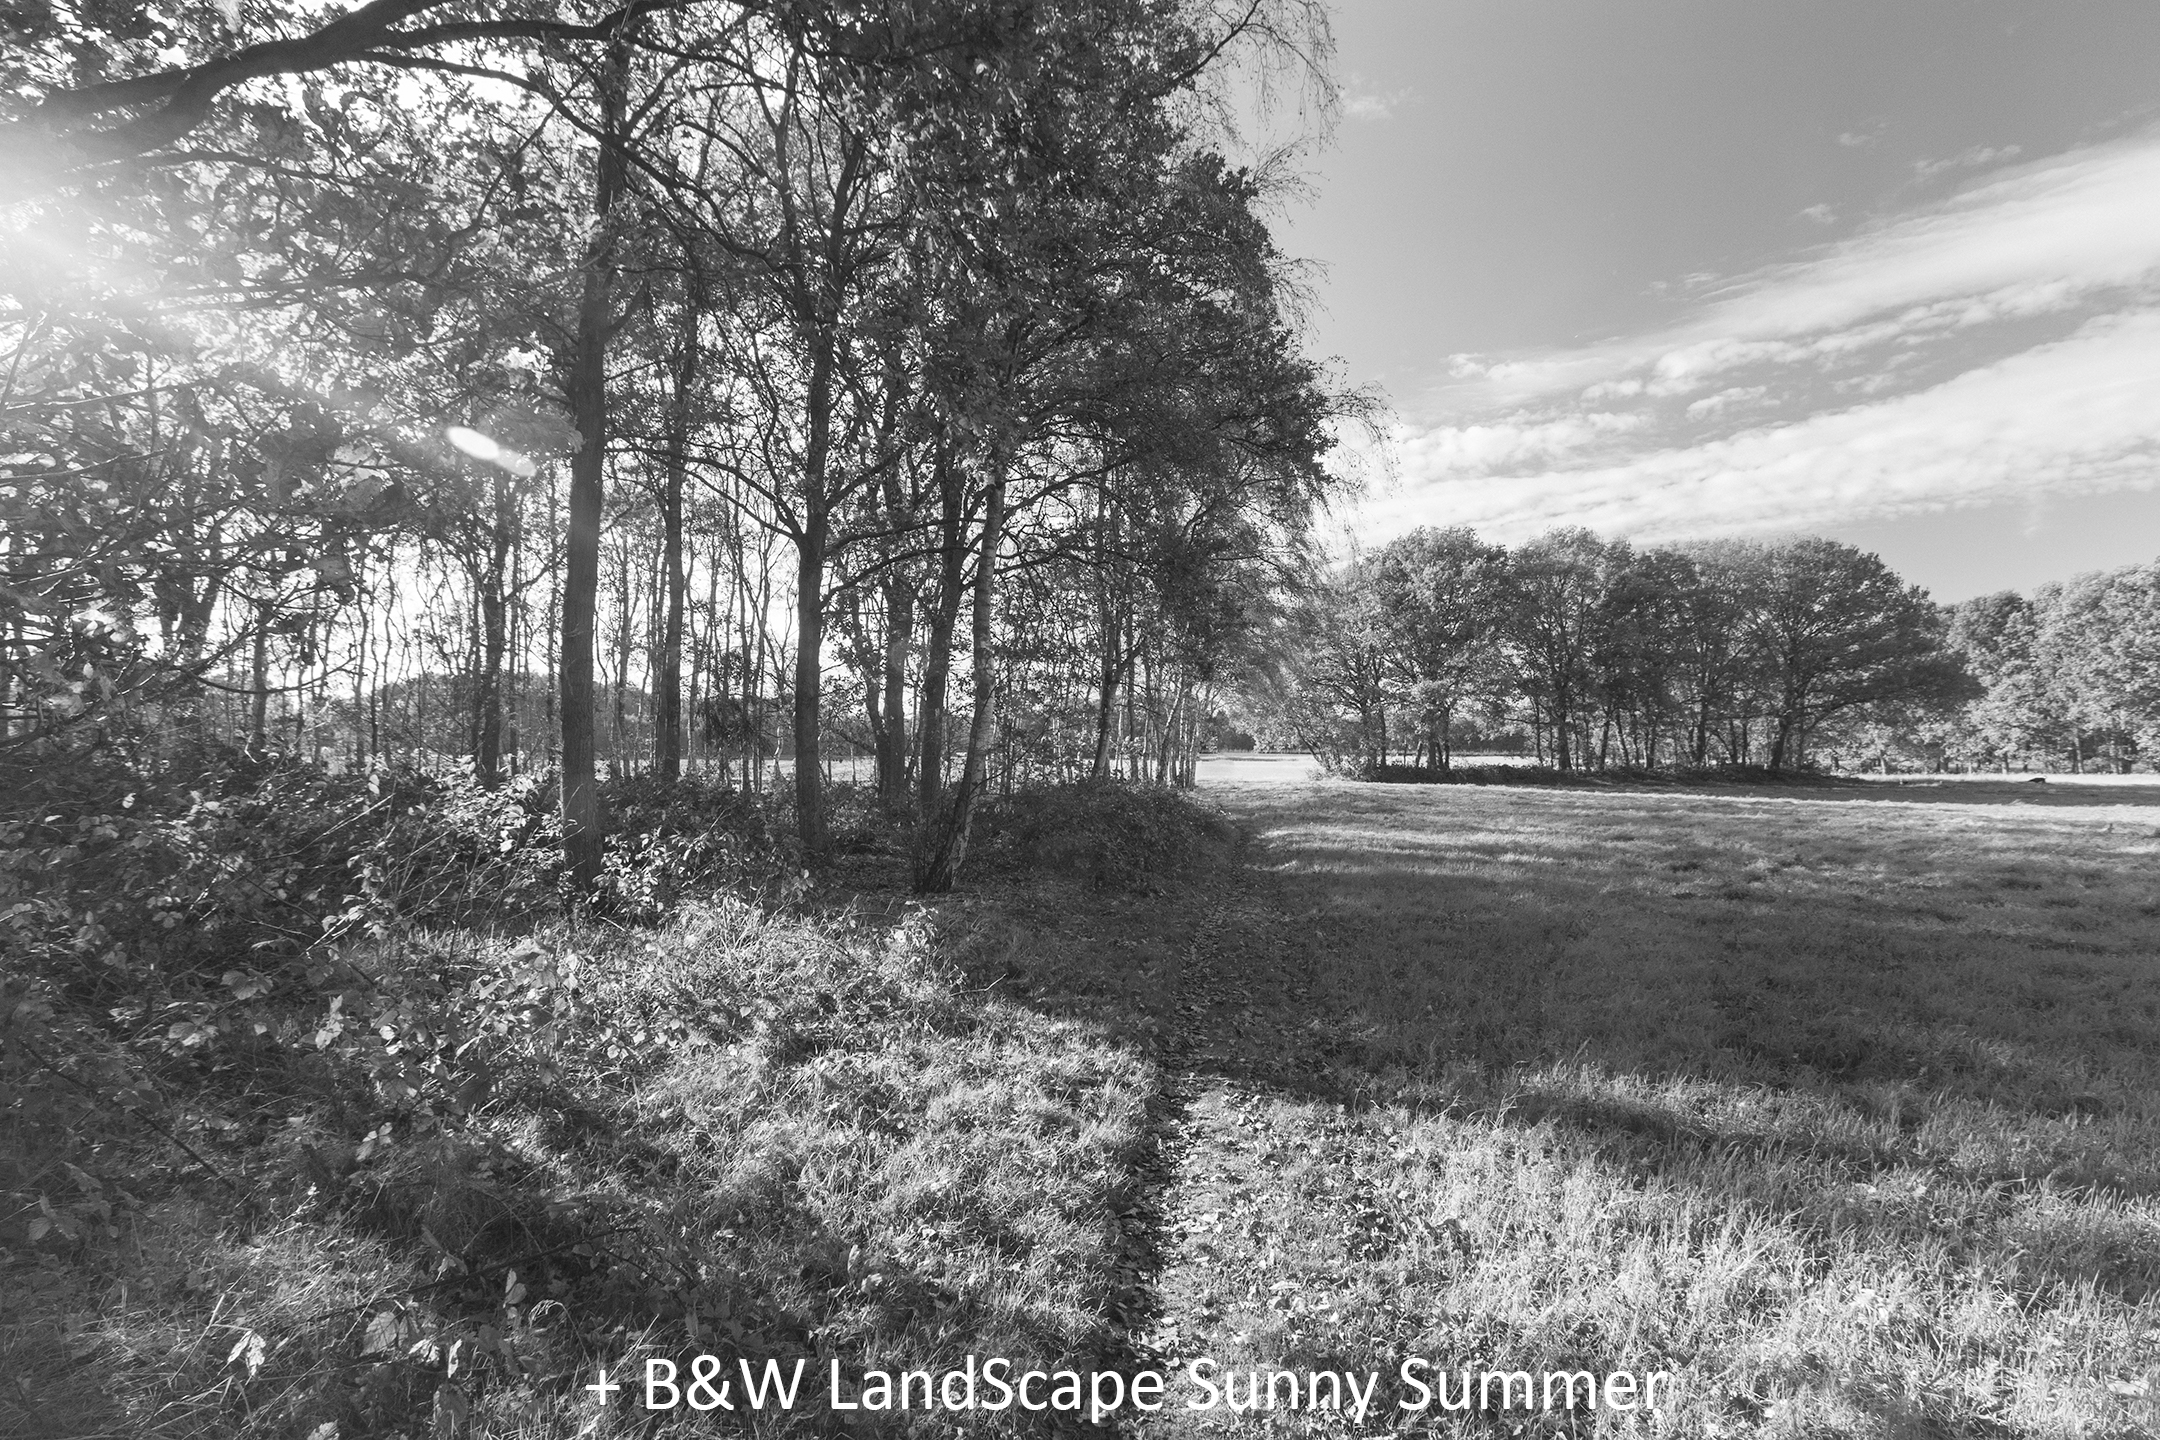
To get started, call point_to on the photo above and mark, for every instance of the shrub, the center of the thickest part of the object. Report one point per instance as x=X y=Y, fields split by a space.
x=1116 y=835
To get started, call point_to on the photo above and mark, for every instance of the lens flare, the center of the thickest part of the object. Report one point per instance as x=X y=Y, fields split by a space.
x=483 y=447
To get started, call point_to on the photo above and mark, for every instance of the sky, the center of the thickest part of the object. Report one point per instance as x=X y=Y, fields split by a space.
x=1882 y=270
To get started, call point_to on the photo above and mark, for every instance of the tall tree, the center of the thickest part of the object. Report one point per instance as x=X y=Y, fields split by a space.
x=1836 y=629
x=1556 y=589
x=1441 y=595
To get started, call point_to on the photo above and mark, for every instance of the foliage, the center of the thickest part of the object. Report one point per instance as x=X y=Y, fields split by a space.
x=2067 y=677
x=1113 y=835
x=460 y=1171
x=1611 y=656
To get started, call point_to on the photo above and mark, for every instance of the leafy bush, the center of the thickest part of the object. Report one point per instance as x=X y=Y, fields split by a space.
x=253 y=922
x=1117 y=835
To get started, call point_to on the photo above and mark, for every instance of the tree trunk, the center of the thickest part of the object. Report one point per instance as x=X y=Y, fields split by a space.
x=937 y=653
x=892 y=749
x=937 y=869
x=1106 y=706
x=667 y=681
x=581 y=809
x=1781 y=742
x=1112 y=631
x=258 y=736
x=494 y=643
x=810 y=681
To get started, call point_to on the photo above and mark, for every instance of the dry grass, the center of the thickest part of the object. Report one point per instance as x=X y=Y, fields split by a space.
x=1844 y=1106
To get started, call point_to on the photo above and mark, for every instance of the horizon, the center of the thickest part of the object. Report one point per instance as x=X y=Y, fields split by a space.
x=1683 y=271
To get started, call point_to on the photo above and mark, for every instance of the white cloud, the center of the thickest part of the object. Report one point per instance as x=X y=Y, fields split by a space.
x=1977 y=158
x=2040 y=239
x=2002 y=343
x=1718 y=404
x=2075 y=416
x=1509 y=443
x=1361 y=100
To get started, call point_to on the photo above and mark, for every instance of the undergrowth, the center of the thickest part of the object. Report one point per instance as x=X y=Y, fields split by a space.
x=1110 y=835
x=320 y=1120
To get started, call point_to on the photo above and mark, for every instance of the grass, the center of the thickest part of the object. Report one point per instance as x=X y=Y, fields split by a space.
x=1841 y=1104
x=758 y=1134
x=1846 y=1110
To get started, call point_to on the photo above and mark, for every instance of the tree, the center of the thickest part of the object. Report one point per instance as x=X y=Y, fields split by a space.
x=1556 y=588
x=1337 y=703
x=1440 y=594
x=899 y=288
x=1998 y=638
x=2099 y=647
x=1836 y=629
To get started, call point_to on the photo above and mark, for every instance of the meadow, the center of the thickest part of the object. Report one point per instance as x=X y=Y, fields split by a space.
x=1841 y=1103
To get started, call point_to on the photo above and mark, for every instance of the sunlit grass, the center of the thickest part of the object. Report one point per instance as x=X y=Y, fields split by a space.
x=1844 y=1108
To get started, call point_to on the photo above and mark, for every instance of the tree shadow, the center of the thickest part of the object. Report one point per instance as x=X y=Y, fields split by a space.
x=1953 y=1052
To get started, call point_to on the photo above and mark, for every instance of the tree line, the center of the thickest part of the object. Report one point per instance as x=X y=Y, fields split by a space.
x=594 y=389
x=2070 y=677
x=1593 y=654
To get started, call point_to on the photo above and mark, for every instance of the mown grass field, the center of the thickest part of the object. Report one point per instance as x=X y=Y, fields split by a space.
x=1843 y=1104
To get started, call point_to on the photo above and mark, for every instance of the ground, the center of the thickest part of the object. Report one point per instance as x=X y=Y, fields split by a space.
x=1838 y=1103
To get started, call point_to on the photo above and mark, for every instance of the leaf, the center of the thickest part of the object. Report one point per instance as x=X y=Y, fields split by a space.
x=384 y=1330
x=451 y=1410
x=249 y=1349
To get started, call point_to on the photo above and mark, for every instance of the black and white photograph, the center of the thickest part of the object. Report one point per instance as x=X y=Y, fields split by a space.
x=1165 y=719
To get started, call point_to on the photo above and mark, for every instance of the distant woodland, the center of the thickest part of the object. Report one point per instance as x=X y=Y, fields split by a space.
x=1590 y=654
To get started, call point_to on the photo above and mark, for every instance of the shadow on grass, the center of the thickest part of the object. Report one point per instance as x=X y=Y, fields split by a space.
x=1906 y=1050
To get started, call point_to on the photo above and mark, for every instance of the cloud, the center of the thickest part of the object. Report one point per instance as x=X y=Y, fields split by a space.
x=2075 y=416
x=1361 y=100
x=2004 y=341
x=2042 y=238
x=1509 y=443
x=1820 y=214
x=1725 y=400
x=1979 y=157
